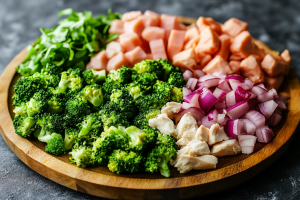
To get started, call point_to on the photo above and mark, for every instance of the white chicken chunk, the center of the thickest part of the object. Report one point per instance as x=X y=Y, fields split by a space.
x=216 y=134
x=171 y=108
x=202 y=133
x=186 y=138
x=164 y=124
x=187 y=163
x=186 y=123
x=226 y=148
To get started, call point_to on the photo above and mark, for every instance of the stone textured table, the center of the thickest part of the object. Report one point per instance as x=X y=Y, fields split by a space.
x=275 y=23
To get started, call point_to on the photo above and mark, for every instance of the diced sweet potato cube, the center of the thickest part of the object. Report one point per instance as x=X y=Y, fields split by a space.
x=150 y=21
x=153 y=33
x=158 y=49
x=135 y=25
x=168 y=22
x=202 y=23
x=117 y=26
x=273 y=82
x=217 y=64
x=113 y=48
x=151 y=13
x=234 y=26
x=209 y=42
x=235 y=66
x=243 y=45
x=191 y=43
x=131 y=15
x=136 y=55
x=99 y=61
x=185 y=59
x=117 y=62
x=225 y=42
x=274 y=65
x=285 y=55
x=129 y=41
x=175 y=42
x=250 y=68
x=191 y=33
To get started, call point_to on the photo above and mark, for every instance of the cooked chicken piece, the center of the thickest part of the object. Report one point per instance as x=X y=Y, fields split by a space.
x=186 y=138
x=216 y=134
x=186 y=123
x=187 y=163
x=171 y=108
x=226 y=148
x=202 y=133
x=197 y=148
x=164 y=124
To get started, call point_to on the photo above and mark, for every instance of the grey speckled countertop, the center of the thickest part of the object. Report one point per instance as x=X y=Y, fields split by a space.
x=277 y=23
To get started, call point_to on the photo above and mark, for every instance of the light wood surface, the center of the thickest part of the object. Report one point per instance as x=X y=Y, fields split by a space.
x=99 y=181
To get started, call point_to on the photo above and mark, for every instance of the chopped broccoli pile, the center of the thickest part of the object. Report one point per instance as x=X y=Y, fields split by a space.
x=97 y=118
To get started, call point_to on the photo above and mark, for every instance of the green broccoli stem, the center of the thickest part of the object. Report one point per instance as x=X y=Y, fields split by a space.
x=164 y=168
x=62 y=87
x=96 y=101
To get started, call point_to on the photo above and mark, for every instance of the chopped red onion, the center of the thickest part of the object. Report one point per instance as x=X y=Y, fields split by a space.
x=257 y=118
x=189 y=97
x=249 y=82
x=278 y=111
x=247 y=149
x=220 y=105
x=223 y=85
x=219 y=74
x=186 y=91
x=241 y=94
x=205 y=122
x=274 y=119
x=267 y=108
x=187 y=74
x=275 y=95
x=261 y=85
x=191 y=83
x=238 y=109
x=249 y=127
x=206 y=99
x=219 y=94
x=197 y=113
x=186 y=105
x=266 y=96
x=253 y=95
x=247 y=143
x=199 y=73
x=264 y=134
x=252 y=103
x=212 y=115
x=222 y=119
x=234 y=84
x=207 y=77
x=236 y=77
x=281 y=104
x=234 y=128
x=210 y=82
x=258 y=90
x=230 y=99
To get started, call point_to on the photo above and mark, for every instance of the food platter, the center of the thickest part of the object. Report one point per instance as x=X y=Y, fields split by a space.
x=99 y=181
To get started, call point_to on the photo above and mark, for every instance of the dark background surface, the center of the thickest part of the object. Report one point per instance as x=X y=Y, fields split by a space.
x=277 y=23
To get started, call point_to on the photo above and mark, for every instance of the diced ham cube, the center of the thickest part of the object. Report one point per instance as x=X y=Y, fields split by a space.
x=113 y=48
x=151 y=13
x=88 y=66
x=149 y=56
x=273 y=82
x=209 y=42
x=185 y=59
x=117 y=62
x=145 y=46
x=234 y=26
x=153 y=33
x=168 y=22
x=158 y=49
x=150 y=21
x=117 y=26
x=243 y=45
x=234 y=57
x=190 y=34
x=182 y=27
x=225 y=42
x=203 y=59
x=217 y=64
x=192 y=43
x=129 y=41
x=250 y=68
x=99 y=61
x=131 y=15
x=274 y=65
x=175 y=42
x=235 y=66
x=285 y=55
x=202 y=23
x=136 y=55
x=135 y=25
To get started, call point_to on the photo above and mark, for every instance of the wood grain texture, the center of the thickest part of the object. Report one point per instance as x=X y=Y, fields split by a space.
x=99 y=181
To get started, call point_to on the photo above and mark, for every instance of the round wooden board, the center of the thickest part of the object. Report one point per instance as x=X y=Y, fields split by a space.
x=99 y=181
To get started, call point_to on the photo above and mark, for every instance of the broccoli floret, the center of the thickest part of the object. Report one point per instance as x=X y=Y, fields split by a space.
x=112 y=118
x=93 y=94
x=50 y=123
x=176 y=94
x=148 y=79
x=109 y=140
x=108 y=87
x=21 y=109
x=167 y=69
x=177 y=80
x=122 y=161
x=76 y=109
x=137 y=90
x=71 y=136
x=82 y=156
x=122 y=75
x=158 y=158
x=70 y=79
x=56 y=104
x=92 y=76
x=141 y=120
x=162 y=88
x=155 y=101
x=51 y=69
x=148 y=66
x=37 y=104
x=90 y=122
x=24 y=126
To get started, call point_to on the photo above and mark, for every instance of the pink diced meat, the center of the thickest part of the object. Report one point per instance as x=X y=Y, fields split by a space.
x=185 y=59
x=175 y=43
x=168 y=23
x=113 y=48
x=136 y=26
x=131 y=15
x=153 y=33
x=151 y=13
x=117 y=26
x=136 y=55
x=117 y=62
x=129 y=41
x=158 y=49
x=150 y=21
x=98 y=62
